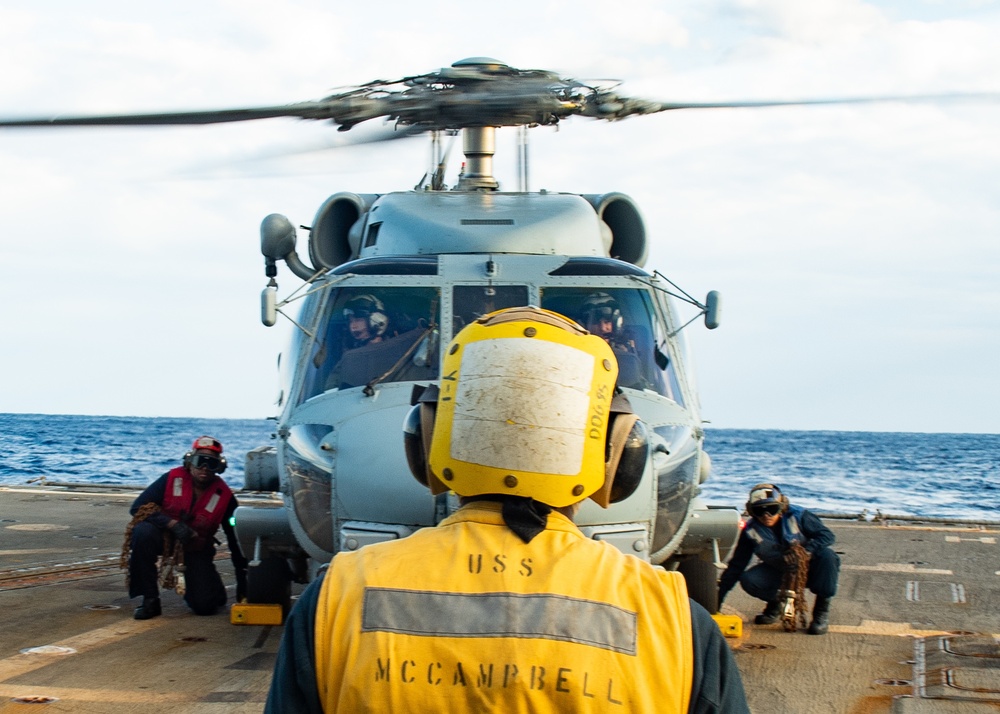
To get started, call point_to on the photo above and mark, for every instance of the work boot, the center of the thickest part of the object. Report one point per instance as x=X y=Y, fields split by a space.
x=771 y=614
x=149 y=608
x=821 y=617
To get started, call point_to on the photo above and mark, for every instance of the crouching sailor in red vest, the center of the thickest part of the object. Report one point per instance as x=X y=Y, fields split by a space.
x=193 y=502
x=506 y=605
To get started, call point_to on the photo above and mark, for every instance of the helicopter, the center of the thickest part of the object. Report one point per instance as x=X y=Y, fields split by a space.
x=391 y=278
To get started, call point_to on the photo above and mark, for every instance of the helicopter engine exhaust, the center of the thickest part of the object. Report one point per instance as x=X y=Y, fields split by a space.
x=628 y=232
x=335 y=237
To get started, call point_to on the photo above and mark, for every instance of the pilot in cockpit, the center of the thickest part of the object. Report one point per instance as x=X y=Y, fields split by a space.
x=379 y=343
x=602 y=316
x=367 y=321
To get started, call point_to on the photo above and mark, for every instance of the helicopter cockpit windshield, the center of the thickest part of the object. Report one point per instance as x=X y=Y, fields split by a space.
x=374 y=334
x=625 y=318
x=470 y=302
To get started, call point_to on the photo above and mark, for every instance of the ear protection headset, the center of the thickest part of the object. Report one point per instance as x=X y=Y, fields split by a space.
x=209 y=444
x=370 y=309
x=623 y=447
x=766 y=493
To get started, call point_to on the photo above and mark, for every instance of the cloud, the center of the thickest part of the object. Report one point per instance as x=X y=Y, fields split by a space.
x=822 y=22
x=855 y=246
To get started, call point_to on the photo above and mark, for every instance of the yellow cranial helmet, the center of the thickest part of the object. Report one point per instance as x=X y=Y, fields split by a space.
x=523 y=408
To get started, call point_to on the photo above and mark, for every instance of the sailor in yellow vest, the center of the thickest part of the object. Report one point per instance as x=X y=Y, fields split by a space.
x=506 y=605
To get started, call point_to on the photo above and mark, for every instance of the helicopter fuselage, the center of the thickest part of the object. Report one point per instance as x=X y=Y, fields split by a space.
x=419 y=266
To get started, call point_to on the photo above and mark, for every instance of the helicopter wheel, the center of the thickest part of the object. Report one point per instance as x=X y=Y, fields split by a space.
x=702 y=582
x=271 y=583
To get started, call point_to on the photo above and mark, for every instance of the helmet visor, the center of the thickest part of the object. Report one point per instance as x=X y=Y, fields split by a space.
x=765 y=509
x=206 y=461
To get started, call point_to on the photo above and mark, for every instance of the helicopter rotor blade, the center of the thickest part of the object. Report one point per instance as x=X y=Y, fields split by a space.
x=374 y=135
x=244 y=163
x=213 y=116
x=614 y=107
x=476 y=92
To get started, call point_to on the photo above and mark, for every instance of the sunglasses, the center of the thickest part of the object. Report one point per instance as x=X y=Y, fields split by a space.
x=770 y=509
x=205 y=461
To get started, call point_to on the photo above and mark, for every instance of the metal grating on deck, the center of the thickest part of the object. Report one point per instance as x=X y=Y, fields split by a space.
x=957 y=667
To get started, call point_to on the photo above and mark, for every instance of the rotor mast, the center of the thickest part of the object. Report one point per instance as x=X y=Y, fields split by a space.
x=478 y=145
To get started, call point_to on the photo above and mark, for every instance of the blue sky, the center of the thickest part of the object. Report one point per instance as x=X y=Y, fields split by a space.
x=855 y=247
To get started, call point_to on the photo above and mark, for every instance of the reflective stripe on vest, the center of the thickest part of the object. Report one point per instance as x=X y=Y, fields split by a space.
x=552 y=617
x=466 y=617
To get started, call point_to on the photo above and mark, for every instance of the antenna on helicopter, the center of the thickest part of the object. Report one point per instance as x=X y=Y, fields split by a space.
x=522 y=159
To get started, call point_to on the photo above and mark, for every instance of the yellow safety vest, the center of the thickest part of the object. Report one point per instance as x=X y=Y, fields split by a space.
x=467 y=617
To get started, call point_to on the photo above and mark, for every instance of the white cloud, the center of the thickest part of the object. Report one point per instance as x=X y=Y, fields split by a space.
x=855 y=246
x=814 y=23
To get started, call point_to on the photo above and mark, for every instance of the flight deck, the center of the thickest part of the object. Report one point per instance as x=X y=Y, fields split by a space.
x=912 y=628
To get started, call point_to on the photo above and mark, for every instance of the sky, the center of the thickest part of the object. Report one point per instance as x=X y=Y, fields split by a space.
x=855 y=247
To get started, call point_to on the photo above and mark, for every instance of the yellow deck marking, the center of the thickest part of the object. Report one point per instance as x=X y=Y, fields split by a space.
x=19 y=664
x=897 y=568
x=31 y=551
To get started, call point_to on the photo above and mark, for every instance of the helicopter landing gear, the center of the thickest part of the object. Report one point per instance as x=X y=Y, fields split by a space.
x=270 y=582
x=702 y=582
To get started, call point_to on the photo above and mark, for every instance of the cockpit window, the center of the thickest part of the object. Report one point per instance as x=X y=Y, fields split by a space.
x=626 y=319
x=470 y=302
x=374 y=334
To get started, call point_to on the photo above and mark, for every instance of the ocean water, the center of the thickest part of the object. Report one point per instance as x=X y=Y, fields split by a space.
x=854 y=472
x=116 y=450
x=928 y=475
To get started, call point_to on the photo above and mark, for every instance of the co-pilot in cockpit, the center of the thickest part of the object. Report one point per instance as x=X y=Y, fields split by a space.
x=374 y=335
x=625 y=318
x=367 y=321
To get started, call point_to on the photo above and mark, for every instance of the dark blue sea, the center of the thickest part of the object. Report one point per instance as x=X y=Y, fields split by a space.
x=850 y=472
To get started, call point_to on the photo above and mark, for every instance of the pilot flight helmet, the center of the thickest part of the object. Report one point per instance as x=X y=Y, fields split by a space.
x=214 y=462
x=601 y=306
x=370 y=309
x=766 y=499
x=529 y=409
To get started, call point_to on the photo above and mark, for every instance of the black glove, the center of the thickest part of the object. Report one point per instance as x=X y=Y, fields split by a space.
x=241 y=584
x=792 y=556
x=182 y=532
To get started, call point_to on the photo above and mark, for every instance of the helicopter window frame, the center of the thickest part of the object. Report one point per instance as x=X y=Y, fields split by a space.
x=636 y=347
x=675 y=342
x=506 y=288
x=389 y=360
x=396 y=265
x=302 y=336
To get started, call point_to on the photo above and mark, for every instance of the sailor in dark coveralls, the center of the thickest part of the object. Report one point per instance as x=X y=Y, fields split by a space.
x=193 y=503
x=773 y=527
